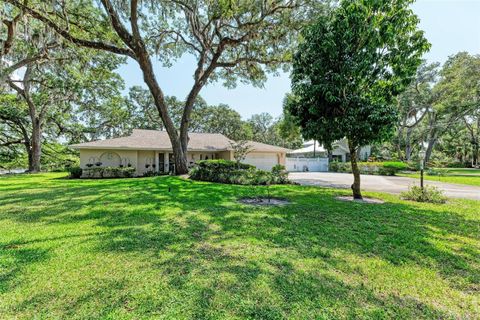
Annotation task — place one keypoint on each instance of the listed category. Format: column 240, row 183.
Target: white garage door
column 263, row 161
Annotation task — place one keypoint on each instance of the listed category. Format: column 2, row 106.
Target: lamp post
column 421, row 154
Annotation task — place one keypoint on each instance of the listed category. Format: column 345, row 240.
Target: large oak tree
column 229, row 39
column 43, row 79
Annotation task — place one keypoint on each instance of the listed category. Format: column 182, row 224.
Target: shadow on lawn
column 198, row 234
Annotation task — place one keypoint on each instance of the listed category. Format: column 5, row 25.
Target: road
column 387, row 184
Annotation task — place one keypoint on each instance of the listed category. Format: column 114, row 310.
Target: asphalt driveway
column 387, row 184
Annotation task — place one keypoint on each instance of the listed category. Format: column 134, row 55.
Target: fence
column 306, row 164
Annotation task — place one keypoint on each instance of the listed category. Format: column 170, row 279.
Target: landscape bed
column 166, row 247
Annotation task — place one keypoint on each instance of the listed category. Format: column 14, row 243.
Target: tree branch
column 11, row 26
column 9, row 143
column 66, row 35
column 117, row 24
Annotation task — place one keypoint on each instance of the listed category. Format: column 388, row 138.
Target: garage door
column 263, row 161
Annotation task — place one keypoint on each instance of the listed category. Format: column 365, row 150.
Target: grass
column 129, row 249
column 460, row 171
column 451, row 175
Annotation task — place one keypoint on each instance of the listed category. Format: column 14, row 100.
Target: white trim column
column 167, row 164
column 156, row 161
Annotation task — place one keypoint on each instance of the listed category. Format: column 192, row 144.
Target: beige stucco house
column 148, row 150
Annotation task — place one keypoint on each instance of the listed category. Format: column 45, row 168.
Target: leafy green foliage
column 350, row 66
column 231, row 172
column 279, row 174
column 75, row 172
column 108, row 172
column 348, row 70
column 375, row 168
column 441, row 108
column 428, row 194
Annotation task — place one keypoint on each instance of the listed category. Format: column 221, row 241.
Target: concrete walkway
column 387, row 184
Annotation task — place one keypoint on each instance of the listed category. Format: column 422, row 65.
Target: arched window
column 110, row 159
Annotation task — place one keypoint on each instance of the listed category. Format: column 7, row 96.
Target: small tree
column 348, row 70
column 240, row 150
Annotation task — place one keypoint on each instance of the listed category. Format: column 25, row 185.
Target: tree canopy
column 349, row 68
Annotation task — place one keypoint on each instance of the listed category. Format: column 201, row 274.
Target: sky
column 450, row 26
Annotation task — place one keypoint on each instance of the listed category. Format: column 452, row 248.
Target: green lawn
column 461, row 171
column 461, row 176
column 129, row 249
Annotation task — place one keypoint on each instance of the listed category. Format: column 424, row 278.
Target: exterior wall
column 145, row 157
column 94, row 155
column 265, row 160
column 138, row 159
column 282, row 157
column 194, row 156
column 226, row 155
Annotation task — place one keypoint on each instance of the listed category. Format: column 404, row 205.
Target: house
column 340, row 152
column 148, row 150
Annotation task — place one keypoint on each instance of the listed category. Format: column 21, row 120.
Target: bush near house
column 375, row 168
column 75, row 172
column 108, row 172
column 231, row 172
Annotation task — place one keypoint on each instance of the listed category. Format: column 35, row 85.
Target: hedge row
column 375, row 168
column 102, row 172
column 230, row 172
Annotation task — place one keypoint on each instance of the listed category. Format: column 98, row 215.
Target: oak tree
column 230, row 40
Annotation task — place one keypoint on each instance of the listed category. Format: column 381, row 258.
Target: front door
column 161, row 162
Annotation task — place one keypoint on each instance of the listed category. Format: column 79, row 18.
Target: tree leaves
column 350, row 66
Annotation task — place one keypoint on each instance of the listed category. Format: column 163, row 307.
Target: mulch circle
column 264, row 201
column 364, row 200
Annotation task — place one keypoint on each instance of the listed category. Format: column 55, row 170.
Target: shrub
column 224, row 171
column 434, row 172
column 380, row 168
column 151, row 173
column 75, row 172
column 108, row 172
column 279, row 174
column 333, row 166
column 429, row 194
column 391, row 168
column 456, row 165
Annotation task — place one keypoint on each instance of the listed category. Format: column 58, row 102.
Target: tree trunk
column 428, row 153
column 329, row 155
column 28, row 148
column 475, row 154
column 180, row 158
column 36, row 147
column 357, row 194
column 398, row 144
column 179, row 151
column 408, row 145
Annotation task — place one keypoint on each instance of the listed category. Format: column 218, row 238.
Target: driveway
column 387, row 184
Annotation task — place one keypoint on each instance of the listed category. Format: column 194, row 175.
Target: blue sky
column 450, row 26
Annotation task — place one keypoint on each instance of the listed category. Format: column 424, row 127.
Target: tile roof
column 158, row 140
